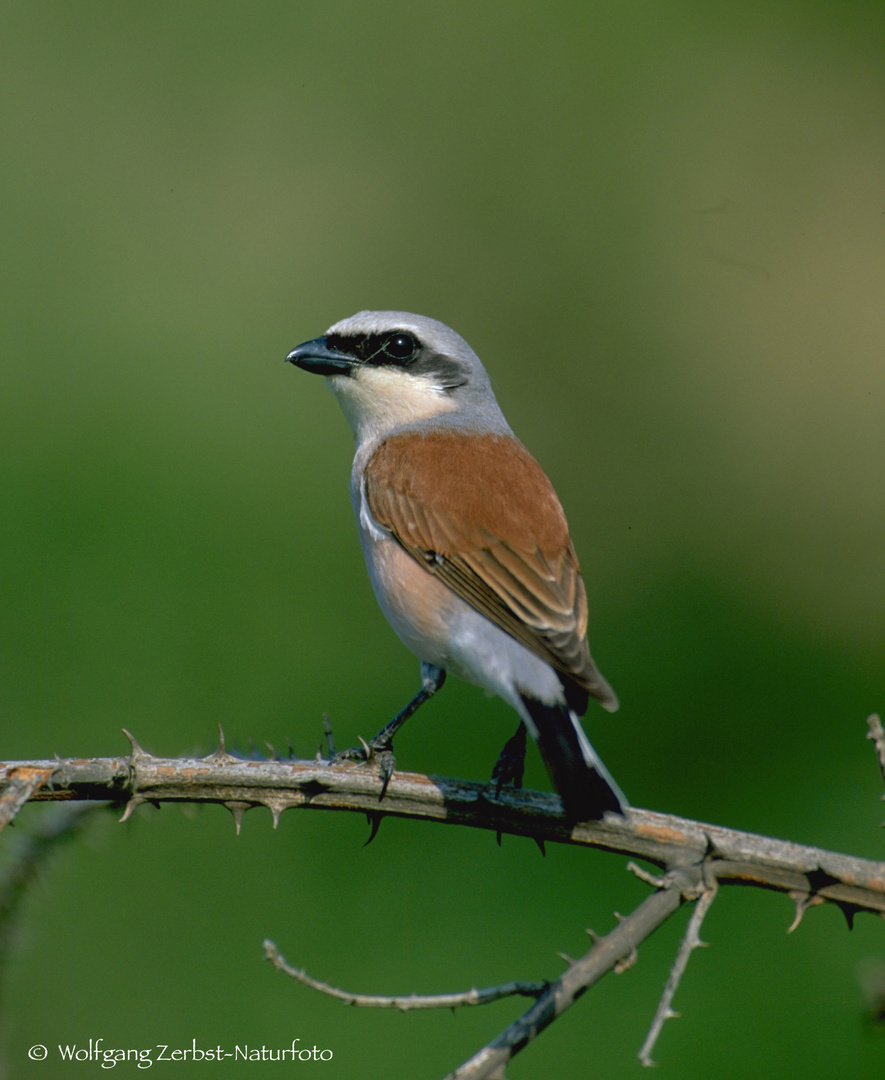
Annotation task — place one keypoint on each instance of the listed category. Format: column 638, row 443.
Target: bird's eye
column 400, row 347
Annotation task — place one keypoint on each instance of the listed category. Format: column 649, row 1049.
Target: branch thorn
column 220, row 755
column 849, row 911
column 138, row 751
column 374, row 821
column 134, row 801
column 238, row 809
column 327, row 729
column 655, row 880
column 803, row 901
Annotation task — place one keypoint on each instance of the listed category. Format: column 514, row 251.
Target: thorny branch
column 21, row 783
column 731, row 856
column 27, row 855
column 409, row 1002
column 606, row 954
column 697, row 858
column 690, row 942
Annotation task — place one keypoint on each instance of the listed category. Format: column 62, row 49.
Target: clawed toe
column 386, row 766
column 360, row 754
column 379, row 751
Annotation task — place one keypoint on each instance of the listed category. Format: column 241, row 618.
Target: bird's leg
column 510, row 765
column 432, row 679
column 381, row 746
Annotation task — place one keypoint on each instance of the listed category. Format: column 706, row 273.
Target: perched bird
column 466, row 543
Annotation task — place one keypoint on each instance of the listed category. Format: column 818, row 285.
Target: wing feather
column 479, row 514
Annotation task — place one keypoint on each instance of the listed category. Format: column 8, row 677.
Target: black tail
column 585, row 786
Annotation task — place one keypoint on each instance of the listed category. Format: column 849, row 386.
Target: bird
column 466, row 543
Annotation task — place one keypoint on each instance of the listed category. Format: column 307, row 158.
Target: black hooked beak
column 320, row 358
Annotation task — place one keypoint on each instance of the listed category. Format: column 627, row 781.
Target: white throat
column 376, row 399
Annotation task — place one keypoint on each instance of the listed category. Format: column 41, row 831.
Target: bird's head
column 390, row 369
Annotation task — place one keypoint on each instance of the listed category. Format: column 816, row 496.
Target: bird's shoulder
column 477, row 486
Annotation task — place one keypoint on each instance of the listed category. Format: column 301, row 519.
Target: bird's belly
column 417, row 605
column 441, row 628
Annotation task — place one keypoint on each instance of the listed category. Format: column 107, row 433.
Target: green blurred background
column 661, row 224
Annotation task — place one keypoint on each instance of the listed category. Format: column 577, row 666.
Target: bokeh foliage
column 662, row 226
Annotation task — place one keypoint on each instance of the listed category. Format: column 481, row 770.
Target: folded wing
column 493, row 530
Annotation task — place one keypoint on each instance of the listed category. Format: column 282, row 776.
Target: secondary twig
column 690, row 942
column 28, row 852
column 22, row 781
column 612, row 952
column 412, row 1001
column 553, row 998
column 607, row 952
column 877, row 734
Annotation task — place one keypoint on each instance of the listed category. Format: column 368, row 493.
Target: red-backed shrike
column 466, row 543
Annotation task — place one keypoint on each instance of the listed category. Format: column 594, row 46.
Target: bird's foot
column 379, row 751
column 510, row 766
